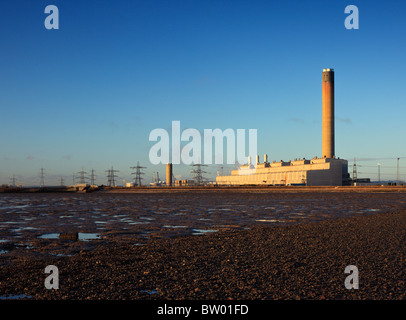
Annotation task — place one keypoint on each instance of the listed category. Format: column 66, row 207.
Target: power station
column 325, row 171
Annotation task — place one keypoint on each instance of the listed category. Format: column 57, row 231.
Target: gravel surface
column 301, row 261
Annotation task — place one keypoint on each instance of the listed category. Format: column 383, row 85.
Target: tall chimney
column 328, row 114
column 169, row 174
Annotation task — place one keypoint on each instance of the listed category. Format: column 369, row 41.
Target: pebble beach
column 258, row 261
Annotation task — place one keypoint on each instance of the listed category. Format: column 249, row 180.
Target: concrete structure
column 315, row 172
column 325, row 171
column 169, row 175
column 328, row 113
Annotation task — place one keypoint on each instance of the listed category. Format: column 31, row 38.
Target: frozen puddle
column 150, row 292
column 24, row 228
column 49, row 236
column 15, row 297
column 81, row 236
column 89, row 236
column 197, row 232
column 173, row 227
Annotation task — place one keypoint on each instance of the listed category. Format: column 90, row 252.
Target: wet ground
column 30, row 224
column 203, row 245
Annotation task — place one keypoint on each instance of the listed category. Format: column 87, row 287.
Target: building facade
column 314, row 172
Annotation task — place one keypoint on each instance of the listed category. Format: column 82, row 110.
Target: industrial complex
column 325, row 171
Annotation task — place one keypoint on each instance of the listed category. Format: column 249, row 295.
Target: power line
column 354, row 172
column 198, row 174
column 13, row 181
column 389, row 167
column 42, row 178
column 138, row 174
column 92, row 177
column 380, row 166
column 386, row 174
column 377, row 159
column 397, row 170
column 110, row 176
column 82, row 177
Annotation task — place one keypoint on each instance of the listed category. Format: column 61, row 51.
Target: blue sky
column 88, row 95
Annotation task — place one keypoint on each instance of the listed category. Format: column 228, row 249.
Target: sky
column 87, row 95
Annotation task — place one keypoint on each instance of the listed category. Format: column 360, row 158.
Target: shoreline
column 301, row 261
column 208, row 189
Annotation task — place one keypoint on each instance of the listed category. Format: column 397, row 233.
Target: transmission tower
column 110, row 176
column 13, row 181
column 62, row 182
column 42, row 178
column 354, row 172
column 82, row 177
column 379, row 172
column 92, row 178
column 197, row 173
column 397, row 171
column 138, row 173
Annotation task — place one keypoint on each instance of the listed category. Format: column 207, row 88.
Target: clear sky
column 88, row 95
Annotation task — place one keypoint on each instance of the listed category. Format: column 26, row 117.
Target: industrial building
column 325, row 171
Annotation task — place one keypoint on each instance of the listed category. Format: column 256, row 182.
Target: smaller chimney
column 265, row 158
column 169, row 175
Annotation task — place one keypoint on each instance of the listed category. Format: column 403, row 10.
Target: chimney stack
column 169, row 175
column 328, row 114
